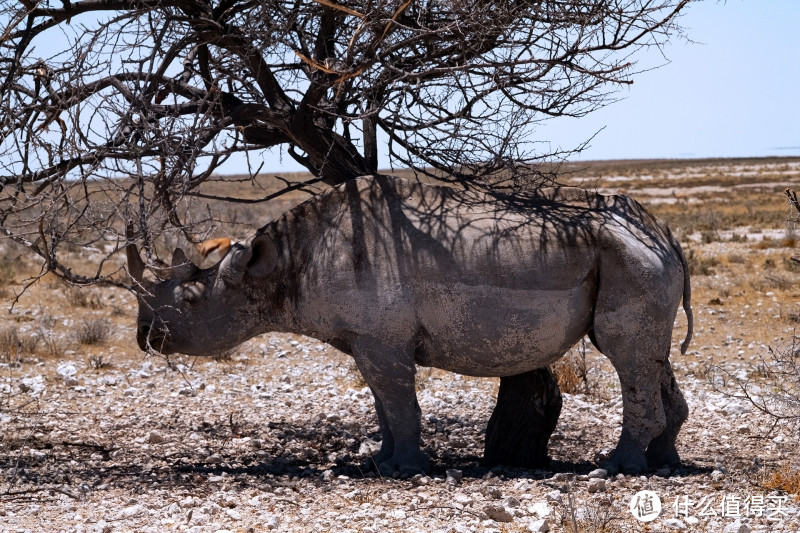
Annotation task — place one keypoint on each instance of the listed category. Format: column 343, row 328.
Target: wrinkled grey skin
column 396, row 273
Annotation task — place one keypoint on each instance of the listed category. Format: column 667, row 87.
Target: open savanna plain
column 98, row 436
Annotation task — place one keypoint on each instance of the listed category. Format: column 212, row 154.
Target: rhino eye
column 191, row 294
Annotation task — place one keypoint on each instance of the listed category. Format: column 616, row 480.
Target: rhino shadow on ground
column 294, row 451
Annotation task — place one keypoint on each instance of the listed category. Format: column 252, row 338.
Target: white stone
column 539, row 526
column 463, row 499
column 131, row 511
column 674, row 523
column 555, row 497
column 598, row 473
column 67, row 369
column 540, row 509
column 737, row 527
column 369, row 447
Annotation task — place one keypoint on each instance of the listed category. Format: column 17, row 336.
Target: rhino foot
column 662, row 454
column 626, row 461
column 406, row 466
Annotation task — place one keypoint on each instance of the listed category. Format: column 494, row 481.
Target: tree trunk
column 525, row 416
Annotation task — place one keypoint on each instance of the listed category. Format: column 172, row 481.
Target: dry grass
column 82, row 297
column 93, row 332
column 570, row 373
column 787, row 479
column 8, row 272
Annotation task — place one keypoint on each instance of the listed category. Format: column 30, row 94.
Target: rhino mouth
column 152, row 339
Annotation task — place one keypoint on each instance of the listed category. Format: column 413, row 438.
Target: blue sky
column 734, row 92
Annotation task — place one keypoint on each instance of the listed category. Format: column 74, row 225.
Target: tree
column 149, row 99
column 164, row 92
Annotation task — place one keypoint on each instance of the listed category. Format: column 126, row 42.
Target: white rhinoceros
column 395, row 272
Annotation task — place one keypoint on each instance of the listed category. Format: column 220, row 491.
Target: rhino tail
column 687, row 292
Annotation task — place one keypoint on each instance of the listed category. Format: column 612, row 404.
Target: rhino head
column 198, row 311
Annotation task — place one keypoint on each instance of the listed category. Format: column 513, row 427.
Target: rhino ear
column 258, row 259
column 234, row 264
column 264, row 258
column 182, row 269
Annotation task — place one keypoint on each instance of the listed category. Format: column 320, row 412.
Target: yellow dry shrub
column 786, row 479
column 570, row 373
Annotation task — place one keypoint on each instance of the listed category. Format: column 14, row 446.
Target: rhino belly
column 490, row 331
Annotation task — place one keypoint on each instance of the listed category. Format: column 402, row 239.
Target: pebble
column 456, row 442
column 454, row 476
column 493, row 492
column 736, row 527
column 369, row 447
column 463, row 499
column 555, row 497
column 511, row 502
column 498, row 513
column 596, row 485
column 273, row 522
column 674, row 523
column 598, row 473
column 131, row 511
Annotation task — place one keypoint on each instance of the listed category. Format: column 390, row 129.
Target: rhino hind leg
column 527, row 410
column 644, row 417
column 389, row 372
column 662, row 450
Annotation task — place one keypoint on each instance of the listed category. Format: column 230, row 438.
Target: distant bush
column 777, row 393
column 82, row 297
column 701, row 266
column 13, row 343
column 8, row 272
column 9, row 343
column 93, row 331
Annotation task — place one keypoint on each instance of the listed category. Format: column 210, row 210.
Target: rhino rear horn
column 182, row 268
column 135, row 263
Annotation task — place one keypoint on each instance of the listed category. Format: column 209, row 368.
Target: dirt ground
column 97, row 436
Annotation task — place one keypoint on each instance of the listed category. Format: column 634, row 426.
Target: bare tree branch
column 148, row 99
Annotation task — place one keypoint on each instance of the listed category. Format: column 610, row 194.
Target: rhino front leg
column 389, row 372
column 387, row 440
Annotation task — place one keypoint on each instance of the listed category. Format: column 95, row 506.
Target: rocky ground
column 275, row 437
